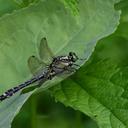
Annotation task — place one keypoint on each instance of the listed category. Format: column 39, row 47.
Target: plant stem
column 78, row 121
column 33, row 107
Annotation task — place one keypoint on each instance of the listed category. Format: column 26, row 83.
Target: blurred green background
column 41, row 111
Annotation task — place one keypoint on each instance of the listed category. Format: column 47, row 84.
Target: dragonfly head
column 73, row 56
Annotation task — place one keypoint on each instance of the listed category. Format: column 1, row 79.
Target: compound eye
column 74, row 53
column 70, row 53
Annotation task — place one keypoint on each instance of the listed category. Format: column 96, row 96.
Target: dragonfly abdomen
column 12, row 91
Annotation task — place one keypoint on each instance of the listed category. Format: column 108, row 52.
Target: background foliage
column 98, row 89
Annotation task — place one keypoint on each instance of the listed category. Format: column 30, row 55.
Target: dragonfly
column 41, row 70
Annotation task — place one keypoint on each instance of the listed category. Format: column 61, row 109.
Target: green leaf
column 8, row 6
column 22, row 31
column 124, row 6
column 91, row 91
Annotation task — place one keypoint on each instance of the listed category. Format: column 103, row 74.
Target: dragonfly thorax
column 62, row 62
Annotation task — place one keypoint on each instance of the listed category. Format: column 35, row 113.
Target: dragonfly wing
column 45, row 52
column 35, row 64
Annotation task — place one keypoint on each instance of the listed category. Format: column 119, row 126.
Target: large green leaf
column 22, row 31
column 8, row 6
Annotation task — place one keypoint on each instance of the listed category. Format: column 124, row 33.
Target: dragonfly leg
column 71, row 69
column 76, row 65
column 49, row 76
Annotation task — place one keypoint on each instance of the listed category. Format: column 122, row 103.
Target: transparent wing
column 45, row 52
column 35, row 64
